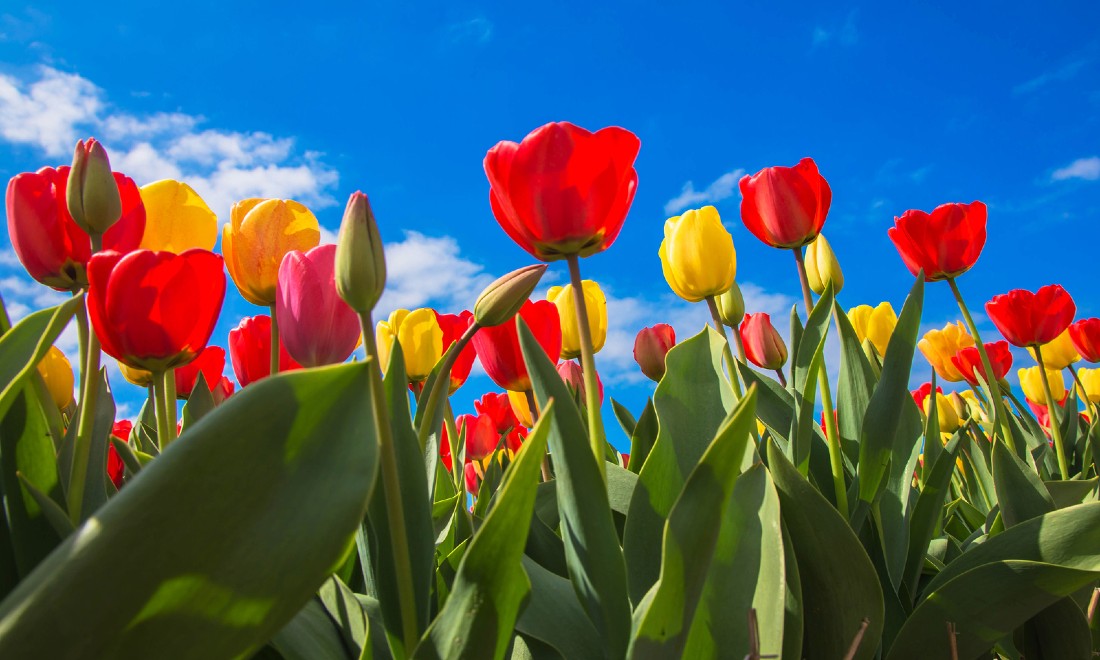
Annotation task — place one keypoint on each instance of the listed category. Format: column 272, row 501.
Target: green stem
column 1052, row 411
column 991, row 381
column 82, row 342
column 452, row 442
column 275, row 343
column 532, row 405
column 1081, row 393
column 731, row 368
column 588, row 368
column 832, row 433
column 442, row 384
column 165, row 426
column 170, row 401
column 391, row 491
column 89, row 392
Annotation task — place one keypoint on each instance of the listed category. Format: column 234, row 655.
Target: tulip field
column 321, row 505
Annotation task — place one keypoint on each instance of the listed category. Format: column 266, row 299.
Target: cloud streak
column 1082, row 168
column 721, row 188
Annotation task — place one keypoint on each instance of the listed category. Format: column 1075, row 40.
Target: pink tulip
column 316, row 326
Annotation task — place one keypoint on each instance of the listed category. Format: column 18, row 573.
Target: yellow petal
column 176, row 218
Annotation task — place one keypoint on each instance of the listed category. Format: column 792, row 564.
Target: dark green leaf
column 554, row 617
column 928, row 512
column 624, row 417
column 1020, row 492
column 854, row 386
column 806, row 365
column 24, row 346
column 643, row 437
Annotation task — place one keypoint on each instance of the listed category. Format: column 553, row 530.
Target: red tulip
column 650, row 347
column 315, row 324
column 115, row 467
column 922, row 392
column 969, row 362
column 211, row 363
column 763, row 345
column 49, row 244
column 453, row 327
column 573, row 376
column 498, row 346
column 496, row 407
column 1042, row 413
column 473, row 480
column 155, row 310
column 250, row 350
column 1086, row 338
column 945, row 243
column 563, row 190
column 223, row 391
column 785, row 207
column 1032, row 319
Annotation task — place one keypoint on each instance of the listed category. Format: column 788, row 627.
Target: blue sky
column 901, row 107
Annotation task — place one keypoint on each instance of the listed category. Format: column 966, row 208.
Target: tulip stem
column 165, row 425
column 82, row 442
column 1081, row 393
column 588, row 368
column 1052, row 411
column 731, row 368
column 987, row 366
column 391, row 489
column 832, row 433
column 782, row 378
column 170, row 401
column 275, row 343
column 442, row 382
column 452, row 442
column 533, row 406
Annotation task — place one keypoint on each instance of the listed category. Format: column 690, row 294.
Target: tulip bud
column 360, row 259
column 945, row 413
column 822, row 266
column 501, row 300
column 1032, row 384
column 650, row 347
column 573, row 377
column 875, row 324
column 595, row 304
column 731, row 306
column 135, row 376
column 92, row 193
column 763, row 345
column 58, row 374
column 697, row 254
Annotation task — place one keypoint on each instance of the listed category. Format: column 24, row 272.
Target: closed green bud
column 92, row 192
column 731, row 306
column 501, row 300
column 360, row 259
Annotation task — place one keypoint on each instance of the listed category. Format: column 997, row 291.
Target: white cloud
column 47, row 112
column 721, row 188
column 1082, row 168
column 425, row 270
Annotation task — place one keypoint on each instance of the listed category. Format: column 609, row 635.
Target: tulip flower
column 697, row 255
column 360, row 259
column 421, row 341
column 92, row 193
column 731, row 306
column 785, row 207
column 46, row 239
column 596, row 305
column 116, row 469
column 945, row 243
column 250, row 350
column 58, row 374
column 922, row 392
column 482, row 437
column 1059, row 353
column 498, row 408
column 139, row 377
column 498, row 346
column 650, row 347
column 177, row 218
column 1086, row 338
column 822, row 266
column 968, row 362
column 763, row 345
column 155, row 310
column 573, row 377
column 875, row 324
column 316, row 325
column 1090, row 379
column 453, row 327
column 563, row 191
column 210, row 363
column 939, row 346
column 1032, row 384
column 946, row 413
column 1032, row 319
column 974, row 406
column 522, row 411
column 259, row 234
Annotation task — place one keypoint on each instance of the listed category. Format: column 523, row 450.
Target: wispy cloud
column 1082, row 168
column 1063, row 73
column 844, row 34
column 476, row 30
column 721, row 188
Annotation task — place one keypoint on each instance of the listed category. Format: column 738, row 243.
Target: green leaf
column 24, row 346
column 97, row 486
column 839, row 585
column 199, row 404
column 592, row 551
column 54, row 514
column 793, row 616
column 624, row 417
column 1059, row 631
column 310, row 634
column 880, row 425
column 1068, row 493
column 692, row 400
column 347, row 613
column 491, row 586
column 854, row 387
column 1020, row 492
column 663, row 618
column 928, row 513
column 643, row 437
column 554, row 616
column 220, row 573
column 892, row 510
column 805, row 366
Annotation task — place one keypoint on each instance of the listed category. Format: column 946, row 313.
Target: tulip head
column 58, row 374
column 499, row 350
column 360, row 259
column 921, row 394
column 315, row 324
column 763, row 345
column 875, row 324
column 785, row 207
column 1086, row 338
column 1031, row 382
column 1059, row 353
column 420, row 337
column 92, row 193
column 946, row 413
column 501, row 300
column 697, row 255
column 177, row 219
column 573, row 377
column 595, row 304
column 259, row 234
column 139, row 377
column 731, row 306
column 1090, row 379
column 250, row 350
column 1032, row 319
column 822, row 266
column 650, row 348
column 944, row 243
column 453, row 327
column 520, row 408
column 939, row 346
column 210, row 364
column 968, row 362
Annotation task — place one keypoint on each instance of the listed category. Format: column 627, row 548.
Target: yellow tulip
column 697, row 255
column 822, row 266
column 259, row 234
column 58, row 374
column 421, row 341
column 176, row 218
column 135, row 376
column 1090, row 378
column 974, row 406
column 945, row 412
column 1031, row 382
column 939, row 346
column 1058, row 354
column 520, row 408
column 874, row 323
column 594, row 303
